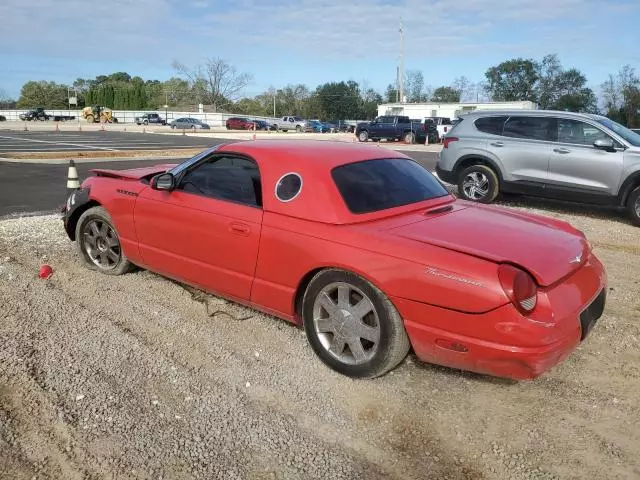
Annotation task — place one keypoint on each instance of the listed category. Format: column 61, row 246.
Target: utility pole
column 401, row 66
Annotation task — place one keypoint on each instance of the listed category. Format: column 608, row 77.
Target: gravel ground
column 138, row 377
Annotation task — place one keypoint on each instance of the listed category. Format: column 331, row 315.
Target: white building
column 449, row 110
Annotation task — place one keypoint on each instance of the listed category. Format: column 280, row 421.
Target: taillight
column 519, row 287
column 447, row 140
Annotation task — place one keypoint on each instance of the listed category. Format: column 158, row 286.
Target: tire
column 146, row 122
column 298, row 128
column 409, row 137
column 107, row 255
column 90, row 119
column 193, row 128
column 633, row 206
column 363, row 136
column 173, row 127
column 387, row 344
column 478, row 183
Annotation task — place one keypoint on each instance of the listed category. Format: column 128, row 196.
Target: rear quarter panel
column 292, row 248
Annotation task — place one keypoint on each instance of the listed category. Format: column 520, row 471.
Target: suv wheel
column 633, row 206
column 478, row 183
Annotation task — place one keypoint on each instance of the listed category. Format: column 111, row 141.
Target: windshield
column 631, row 137
column 374, row 185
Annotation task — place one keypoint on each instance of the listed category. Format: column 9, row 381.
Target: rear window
column 492, row 125
column 375, row 185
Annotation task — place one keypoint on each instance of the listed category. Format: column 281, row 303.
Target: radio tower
column 401, row 66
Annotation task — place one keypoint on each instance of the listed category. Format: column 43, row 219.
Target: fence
column 215, row 120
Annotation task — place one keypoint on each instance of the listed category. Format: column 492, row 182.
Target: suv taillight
column 519, row 287
column 447, row 140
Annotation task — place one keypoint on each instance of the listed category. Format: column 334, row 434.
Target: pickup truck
column 391, row 127
column 147, row 118
column 444, row 124
column 289, row 123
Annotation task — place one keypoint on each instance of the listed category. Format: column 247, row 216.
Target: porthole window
column 288, row 187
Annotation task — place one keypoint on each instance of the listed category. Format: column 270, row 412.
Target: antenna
column 401, row 66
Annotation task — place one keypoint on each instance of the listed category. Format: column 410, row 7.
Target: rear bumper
column 502, row 342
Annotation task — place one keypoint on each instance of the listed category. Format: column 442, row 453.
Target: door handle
column 497, row 144
column 561, row 150
column 239, row 228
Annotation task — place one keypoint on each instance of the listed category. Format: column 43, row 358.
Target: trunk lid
column 546, row 251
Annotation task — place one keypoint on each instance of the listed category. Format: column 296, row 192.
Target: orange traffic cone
column 26, row 129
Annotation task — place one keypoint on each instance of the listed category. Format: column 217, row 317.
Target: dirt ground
column 129, row 377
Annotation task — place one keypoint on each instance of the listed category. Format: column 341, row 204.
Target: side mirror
column 604, row 144
column 164, row 181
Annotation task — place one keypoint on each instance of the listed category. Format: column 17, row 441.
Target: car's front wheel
column 352, row 326
column 478, row 183
column 633, row 206
column 99, row 243
column 363, row 136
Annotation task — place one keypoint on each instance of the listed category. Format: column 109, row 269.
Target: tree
column 462, row 85
column 513, row 80
column 5, row 101
column 43, row 94
column 621, row 95
column 445, row 95
column 560, row 89
column 414, row 84
column 216, row 82
column 391, row 93
column 339, row 100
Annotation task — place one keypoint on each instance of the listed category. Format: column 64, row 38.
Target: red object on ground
column 45, row 272
column 478, row 287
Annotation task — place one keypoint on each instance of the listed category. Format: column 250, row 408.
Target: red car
column 360, row 244
column 237, row 123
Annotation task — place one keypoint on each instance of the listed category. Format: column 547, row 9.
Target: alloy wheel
column 346, row 323
column 101, row 244
column 475, row 185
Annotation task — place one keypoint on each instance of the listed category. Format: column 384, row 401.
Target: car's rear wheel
column 298, row 129
column 363, row 136
column 633, row 206
column 478, row 183
column 352, row 326
column 99, row 244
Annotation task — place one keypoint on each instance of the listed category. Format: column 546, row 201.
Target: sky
column 283, row 42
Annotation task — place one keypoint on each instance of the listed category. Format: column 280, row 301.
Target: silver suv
column 569, row 156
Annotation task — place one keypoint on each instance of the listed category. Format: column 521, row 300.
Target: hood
column 541, row 247
column 134, row 173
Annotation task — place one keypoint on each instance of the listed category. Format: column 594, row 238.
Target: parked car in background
column 3, row 118
column 391, row 127
column 443, row 124
column 239, row 123
column 473, row 287
column 290, row 123
column 343, row 126
column 34, row 114
column 569, row 156
column 316, row 126
column 147, row 118
column 188, row 123
column 262, row 124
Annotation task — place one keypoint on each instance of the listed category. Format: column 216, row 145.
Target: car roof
column 529, row 112
column 312, row 160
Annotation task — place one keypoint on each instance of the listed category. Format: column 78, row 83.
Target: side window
column 534, row 128
column 492, row 125
column 580, row 133
column 233, row 179
column 385, row 120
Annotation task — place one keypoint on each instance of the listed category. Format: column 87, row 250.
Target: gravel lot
column 137, row 377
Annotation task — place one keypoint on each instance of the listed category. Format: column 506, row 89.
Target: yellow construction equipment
column 95, row 114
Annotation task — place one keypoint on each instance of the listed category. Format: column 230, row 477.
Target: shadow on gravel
column 431, row 368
